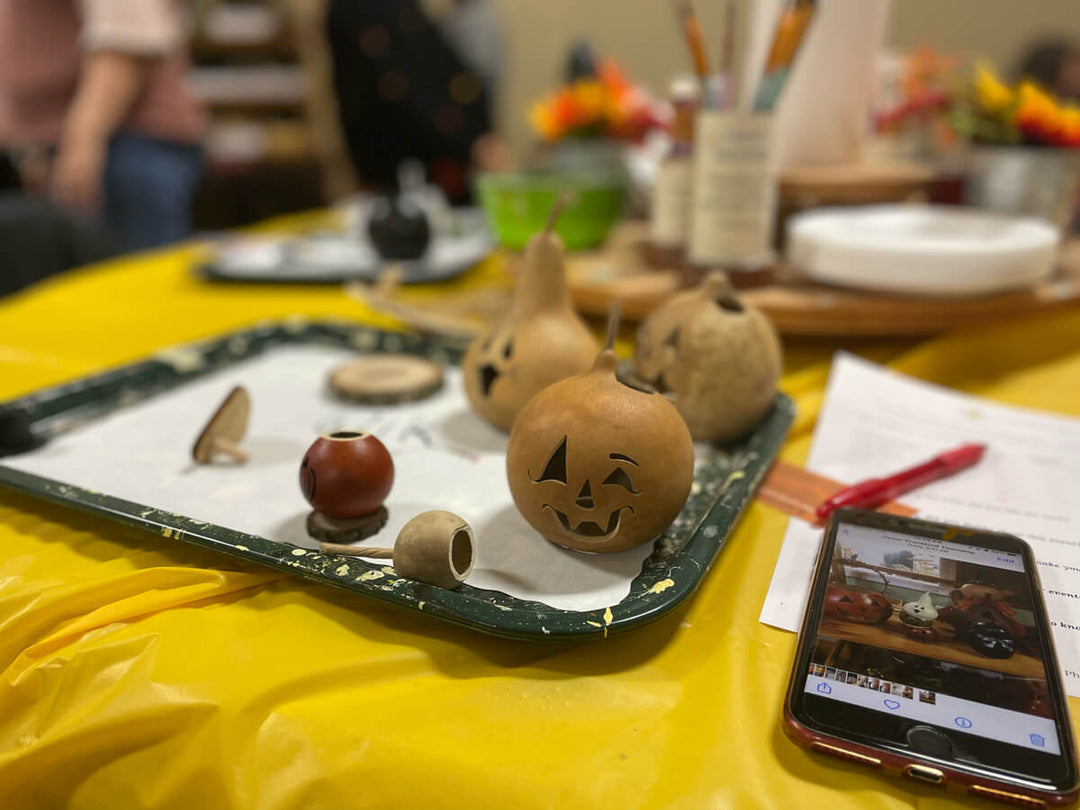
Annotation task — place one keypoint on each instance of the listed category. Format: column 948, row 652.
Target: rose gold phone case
column 898, row 764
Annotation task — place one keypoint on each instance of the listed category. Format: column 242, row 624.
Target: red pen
column 873, row 492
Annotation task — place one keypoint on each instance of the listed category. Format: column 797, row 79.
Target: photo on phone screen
column 935, row 632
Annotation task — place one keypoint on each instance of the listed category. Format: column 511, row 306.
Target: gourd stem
column 541, row 284
column 612, row 324
column 560, row 205
column 356, row 551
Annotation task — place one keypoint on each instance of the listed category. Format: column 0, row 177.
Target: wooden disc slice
column 336, row 530
column 386, row 379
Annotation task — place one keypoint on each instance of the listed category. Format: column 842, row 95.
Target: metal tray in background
column 340, row 257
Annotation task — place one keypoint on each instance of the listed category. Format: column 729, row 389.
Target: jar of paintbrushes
column 734, row 186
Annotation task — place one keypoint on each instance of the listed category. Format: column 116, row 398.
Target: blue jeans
column 149, row 188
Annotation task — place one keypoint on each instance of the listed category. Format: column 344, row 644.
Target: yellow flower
column 542, row 117
column 1036, row 108
column 1041, row 117
column 590, row 99
column 992, row 95
column 1032, row 95
column 1070, row 119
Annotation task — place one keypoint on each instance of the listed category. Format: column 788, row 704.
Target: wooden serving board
column 800, row 307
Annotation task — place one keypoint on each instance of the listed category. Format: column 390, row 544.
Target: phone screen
column 929, row 631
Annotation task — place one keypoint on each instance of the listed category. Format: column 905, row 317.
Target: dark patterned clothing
column 403, row 92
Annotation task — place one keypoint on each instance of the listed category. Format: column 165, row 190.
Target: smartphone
column 925, row 652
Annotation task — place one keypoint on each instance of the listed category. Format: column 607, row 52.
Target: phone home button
column 929, row 741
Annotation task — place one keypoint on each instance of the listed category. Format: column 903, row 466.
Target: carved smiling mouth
column 488, row 375
column 589, row 528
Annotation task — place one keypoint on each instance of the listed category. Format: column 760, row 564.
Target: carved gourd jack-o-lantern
column 862, row 607
column 541, row 340
column 716, row 357
column 595, row 464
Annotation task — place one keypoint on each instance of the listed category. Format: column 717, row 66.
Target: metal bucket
column 1030, row 181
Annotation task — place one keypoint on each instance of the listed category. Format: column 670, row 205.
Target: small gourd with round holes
column 541, row 340
column 716, row 357
column 595, row 464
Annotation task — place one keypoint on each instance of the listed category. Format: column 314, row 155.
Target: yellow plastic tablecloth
column 143, row 673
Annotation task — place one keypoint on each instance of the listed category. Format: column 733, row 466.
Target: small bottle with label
column 669, row 222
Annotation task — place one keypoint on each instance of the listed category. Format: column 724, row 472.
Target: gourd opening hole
column 461, row 552
column 729, row 303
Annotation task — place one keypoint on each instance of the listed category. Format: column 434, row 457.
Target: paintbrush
column 724, row 83
column 695, row 42
column 789, row 35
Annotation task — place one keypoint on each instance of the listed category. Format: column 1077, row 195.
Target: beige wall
column 644, row 37
column 995, row 29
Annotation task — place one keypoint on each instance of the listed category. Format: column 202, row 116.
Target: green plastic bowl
column 517, row 205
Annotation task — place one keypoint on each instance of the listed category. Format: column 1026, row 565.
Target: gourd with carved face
column 862, row 607
column 541, row 340
column 595, row 464
column 717, row 358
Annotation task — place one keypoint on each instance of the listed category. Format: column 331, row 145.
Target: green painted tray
column 682, row 556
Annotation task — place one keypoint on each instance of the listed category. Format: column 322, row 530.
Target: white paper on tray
column 445, row 457
column 877, row 421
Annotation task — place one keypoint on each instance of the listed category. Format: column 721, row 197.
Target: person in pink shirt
column 97, row 87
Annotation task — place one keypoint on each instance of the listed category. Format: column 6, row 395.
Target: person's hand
column 78, row 174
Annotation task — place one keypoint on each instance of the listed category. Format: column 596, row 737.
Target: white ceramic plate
column 922, row 250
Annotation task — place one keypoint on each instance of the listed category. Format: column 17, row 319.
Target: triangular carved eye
column 844, row 598
column 673, row 339
column 508, row 349
column 555, row 469
column 619, row 478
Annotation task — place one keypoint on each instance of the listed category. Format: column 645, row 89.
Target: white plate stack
column 922, row 250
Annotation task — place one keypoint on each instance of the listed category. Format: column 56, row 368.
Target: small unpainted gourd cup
column 436, row 547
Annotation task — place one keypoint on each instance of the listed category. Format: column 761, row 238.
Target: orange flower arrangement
column 924, row 95
column 915, row 106
column 606, row 105
column 1027, row 114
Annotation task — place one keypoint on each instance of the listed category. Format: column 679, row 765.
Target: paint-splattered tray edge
column 668, row 575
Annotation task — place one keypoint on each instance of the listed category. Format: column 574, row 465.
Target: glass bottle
column 669, row 220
